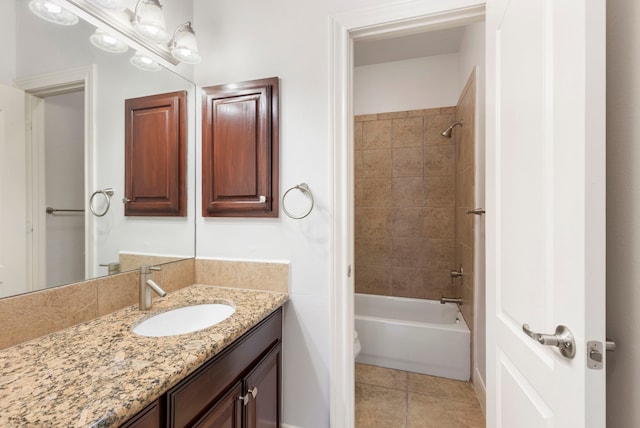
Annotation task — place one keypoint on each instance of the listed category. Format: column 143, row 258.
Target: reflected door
column 64, row 187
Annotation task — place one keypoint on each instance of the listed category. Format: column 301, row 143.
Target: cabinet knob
column 245, row 399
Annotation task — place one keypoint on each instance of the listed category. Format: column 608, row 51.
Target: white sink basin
column 186, row 319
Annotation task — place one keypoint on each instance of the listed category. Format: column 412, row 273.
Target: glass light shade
column 149, row 21
column 107, row 42
column 184, row 46
column 116, row 5
column 52, row 12
column 144, row 62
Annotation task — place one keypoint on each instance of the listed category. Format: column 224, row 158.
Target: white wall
column 8, row 37
column 623, row 212
column 286, row 38
column 411, row 84
column 472, row 55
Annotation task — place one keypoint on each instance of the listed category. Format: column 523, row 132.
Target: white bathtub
column 422, row 336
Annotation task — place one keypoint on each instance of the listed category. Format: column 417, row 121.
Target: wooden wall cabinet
column 156, row 155
column 240, row 149
column 238, row 388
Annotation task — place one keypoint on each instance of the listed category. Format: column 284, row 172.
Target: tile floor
column 387, row 398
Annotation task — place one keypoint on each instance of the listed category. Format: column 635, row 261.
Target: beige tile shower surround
column 412, row 190
column 32, row 315
column 405, row 180
column 465, row 197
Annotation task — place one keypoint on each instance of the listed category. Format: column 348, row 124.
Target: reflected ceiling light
column 184, row 46
column 148, row 21
column 144, row 62
column 117, row 5
column 107, row 42
column 52, row 12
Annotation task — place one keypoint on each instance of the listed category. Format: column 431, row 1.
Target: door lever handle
column 562, row 339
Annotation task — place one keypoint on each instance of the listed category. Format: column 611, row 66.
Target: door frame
column 370, row 23
column 39, row 87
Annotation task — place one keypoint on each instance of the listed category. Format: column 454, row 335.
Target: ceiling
column 439, row 42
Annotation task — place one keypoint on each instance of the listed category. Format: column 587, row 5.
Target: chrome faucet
column 146, row 285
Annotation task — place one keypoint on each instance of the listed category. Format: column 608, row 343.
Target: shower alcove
column 413, row 186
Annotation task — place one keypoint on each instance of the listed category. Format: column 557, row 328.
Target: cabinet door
column 240, row 149
column 227, row 412
column 263, row 387
column 149, row 417
column 155, row 155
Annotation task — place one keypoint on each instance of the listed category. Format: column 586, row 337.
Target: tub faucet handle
column 457, row 273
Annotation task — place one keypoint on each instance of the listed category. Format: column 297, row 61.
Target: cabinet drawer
column 192, row 397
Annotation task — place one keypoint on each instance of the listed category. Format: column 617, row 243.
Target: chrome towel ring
column 107, row 193
column 304, row 188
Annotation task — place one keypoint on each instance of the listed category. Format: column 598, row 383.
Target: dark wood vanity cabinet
column 240, row 149
column 262, row 408
column 238, row 388
column 252, row 402
column 150, row 417
column 155, row 166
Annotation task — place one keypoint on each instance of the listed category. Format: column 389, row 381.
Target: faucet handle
column 146, row 269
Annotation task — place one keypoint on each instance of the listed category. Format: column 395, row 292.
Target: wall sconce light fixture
column 148, row 21
column 183, row 44
column 144, row 62
column 107, row 42
column 52, row 12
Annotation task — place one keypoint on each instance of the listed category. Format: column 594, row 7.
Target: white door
column 13, row 205
column 545, row 209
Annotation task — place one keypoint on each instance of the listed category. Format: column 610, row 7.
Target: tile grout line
column 406, row 400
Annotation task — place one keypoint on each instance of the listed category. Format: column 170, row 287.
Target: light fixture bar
column 124, row 28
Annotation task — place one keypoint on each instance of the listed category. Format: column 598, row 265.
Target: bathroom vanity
column 101, row 374
column 235, row 389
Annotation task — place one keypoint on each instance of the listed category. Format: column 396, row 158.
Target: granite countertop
column 99, row 373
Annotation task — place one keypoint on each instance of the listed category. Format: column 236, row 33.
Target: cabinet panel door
column 227, row 413
column 149, row 417
column 240, row 150
column 155, row 155
column 189, row 399
column 263, row 409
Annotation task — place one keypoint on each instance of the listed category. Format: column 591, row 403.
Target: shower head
column 447, row 132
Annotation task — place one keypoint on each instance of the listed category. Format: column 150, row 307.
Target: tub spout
column 457, row 300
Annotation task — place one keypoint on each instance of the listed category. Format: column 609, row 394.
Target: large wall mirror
column 72, row 95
